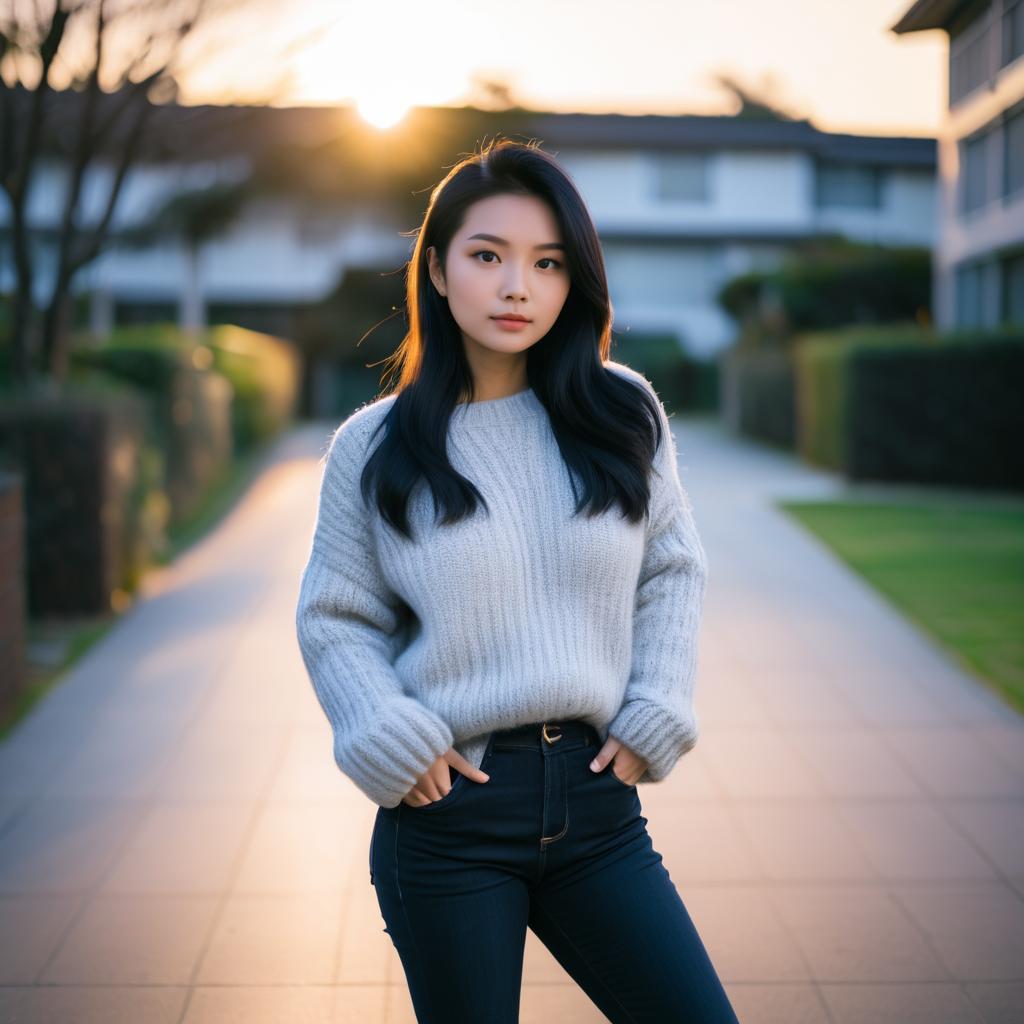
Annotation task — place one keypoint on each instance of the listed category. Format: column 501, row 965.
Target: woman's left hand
column 630, row 766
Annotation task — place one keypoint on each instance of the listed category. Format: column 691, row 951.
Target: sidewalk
column 176, row 844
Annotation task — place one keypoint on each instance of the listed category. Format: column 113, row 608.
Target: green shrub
column 684, row 382
column 831, row 283
column 265, row 374
column 190, row 403
column 820, row 366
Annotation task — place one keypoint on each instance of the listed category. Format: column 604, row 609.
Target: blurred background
column 812, row 217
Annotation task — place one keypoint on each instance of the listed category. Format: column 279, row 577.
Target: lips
column 520, row 319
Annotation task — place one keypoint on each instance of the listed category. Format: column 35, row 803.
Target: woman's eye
column 490, row 252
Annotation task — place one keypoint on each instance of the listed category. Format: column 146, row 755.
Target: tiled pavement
column 176, row 844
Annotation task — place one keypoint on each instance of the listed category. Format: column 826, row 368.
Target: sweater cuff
column 387, row 756
column 654, row 733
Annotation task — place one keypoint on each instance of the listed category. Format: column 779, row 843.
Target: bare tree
column 74, row 38
column 495, row 93
column 757, row 103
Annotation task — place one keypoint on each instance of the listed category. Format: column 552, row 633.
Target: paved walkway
column 176, row 844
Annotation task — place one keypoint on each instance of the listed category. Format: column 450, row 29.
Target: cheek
column 466, row 293
column 553, row 298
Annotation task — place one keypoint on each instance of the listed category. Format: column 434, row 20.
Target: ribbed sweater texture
column 527, row 614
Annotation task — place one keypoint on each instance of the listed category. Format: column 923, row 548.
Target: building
column 682, row 205
column 979, row 255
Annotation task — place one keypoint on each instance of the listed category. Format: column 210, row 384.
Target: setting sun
column 382, row 111
column 385, row 65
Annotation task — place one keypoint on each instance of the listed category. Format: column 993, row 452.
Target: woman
column 499, row 616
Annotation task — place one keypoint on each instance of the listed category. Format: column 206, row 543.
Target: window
column 976, row 297
column 970, row 58
column 975, row 161
column 1013, row 289
column 681, row 176
column 1013, row 149
column 668, row 275
column 1013, row 31
column 968, row 296
column 853, row 186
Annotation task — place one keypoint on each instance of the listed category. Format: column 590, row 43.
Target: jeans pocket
column 458, row 783
column 609, row 771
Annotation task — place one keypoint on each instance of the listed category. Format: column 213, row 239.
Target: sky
column 832, row 61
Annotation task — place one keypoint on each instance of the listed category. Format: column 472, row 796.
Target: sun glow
column 381, row 110
column 385, row 64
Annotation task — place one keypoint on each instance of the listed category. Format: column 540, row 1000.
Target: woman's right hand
column 436, row 781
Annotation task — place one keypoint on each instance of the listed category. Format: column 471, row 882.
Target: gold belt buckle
column 550, row 739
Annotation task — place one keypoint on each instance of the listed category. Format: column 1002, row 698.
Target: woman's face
column 519, row 268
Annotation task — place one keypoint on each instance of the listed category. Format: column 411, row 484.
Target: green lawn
column 955, row 567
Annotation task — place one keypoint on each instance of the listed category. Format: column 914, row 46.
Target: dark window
column 1013, row 165
column 854, row 186
column 968, row 296
column 142, row 311
column 976, row 294
column 974, row 171
column 970, row 58
column 681, row 176
column 1013, row 289
column 1013, row 31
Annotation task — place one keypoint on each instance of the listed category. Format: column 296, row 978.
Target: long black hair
column 607, row 427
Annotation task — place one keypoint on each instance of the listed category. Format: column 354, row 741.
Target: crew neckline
column 492, row 401
column 503, row 409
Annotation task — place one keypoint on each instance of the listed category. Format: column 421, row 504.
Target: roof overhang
column 926, row 14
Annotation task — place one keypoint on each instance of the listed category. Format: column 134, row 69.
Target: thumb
column 460, row 764
column 605, row 754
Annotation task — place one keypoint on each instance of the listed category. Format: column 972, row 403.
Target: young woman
column 499, row 616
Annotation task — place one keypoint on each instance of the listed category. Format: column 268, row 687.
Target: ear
column 435, row 269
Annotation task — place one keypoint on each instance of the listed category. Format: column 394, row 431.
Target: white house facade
column 979, row 254
column 682, row 204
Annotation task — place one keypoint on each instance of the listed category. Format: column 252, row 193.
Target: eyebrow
column 502, row 241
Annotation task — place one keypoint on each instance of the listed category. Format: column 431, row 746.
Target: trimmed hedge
column 88, row 480
column 758, row 394
column 949, row 414
column 820, row 361
column 213, row 399
column 191, row 407
column 907, row 404
column 265, row 374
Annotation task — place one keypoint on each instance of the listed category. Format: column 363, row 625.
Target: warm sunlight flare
column 385, row 65
column 664, row 60
column 381, row 110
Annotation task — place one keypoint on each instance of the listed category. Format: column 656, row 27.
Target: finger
column 422, row 796
column 461, row 765
column 429, row 789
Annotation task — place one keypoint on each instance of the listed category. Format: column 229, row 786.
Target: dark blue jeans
column 550, row 845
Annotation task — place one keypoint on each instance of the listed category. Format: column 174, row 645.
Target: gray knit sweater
column 524, row 615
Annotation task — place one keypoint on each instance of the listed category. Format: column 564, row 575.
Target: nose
column 513, row 286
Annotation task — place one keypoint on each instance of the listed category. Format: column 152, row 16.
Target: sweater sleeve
column 347, row 620
column 657, row 719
